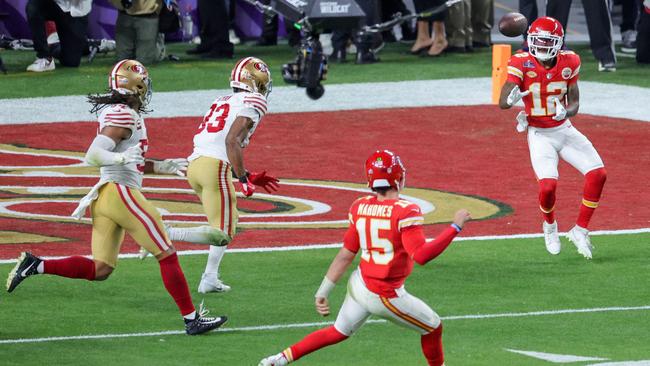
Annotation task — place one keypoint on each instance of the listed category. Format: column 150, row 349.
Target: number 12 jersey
column 544, row 84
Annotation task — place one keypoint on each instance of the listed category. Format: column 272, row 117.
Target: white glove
column 515, row 95
column 522, row 121
column 170, row 166
column 646, row 3
column 560, row 111
column 134, row 154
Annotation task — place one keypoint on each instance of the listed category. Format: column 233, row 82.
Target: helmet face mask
column 545, row 38
column 253, row 75
column 384, row 169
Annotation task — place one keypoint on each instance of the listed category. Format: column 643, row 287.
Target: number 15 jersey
column 376, row 229
column 544, row 84
column 210, row 140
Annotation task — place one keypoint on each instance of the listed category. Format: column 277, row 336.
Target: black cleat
column 203, row 323
column 26, row 266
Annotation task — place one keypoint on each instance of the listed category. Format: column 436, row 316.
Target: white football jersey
column 120, row 115
column 210, row 140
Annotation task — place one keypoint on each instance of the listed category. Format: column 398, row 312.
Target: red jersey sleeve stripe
column 119, row 123
column 258, row 106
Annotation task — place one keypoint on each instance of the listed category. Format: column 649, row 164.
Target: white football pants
column 405, row 310
column 547, row 145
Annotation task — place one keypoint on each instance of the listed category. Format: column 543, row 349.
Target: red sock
column 175, row 283
column 314, row 341
column 547, row 187
column 432, row 347
column 71, row 267
column 594, row 182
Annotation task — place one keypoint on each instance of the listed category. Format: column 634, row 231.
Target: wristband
column 325, row 288
column 456, row 227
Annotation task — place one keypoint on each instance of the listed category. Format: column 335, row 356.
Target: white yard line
column 338, row 245
column 321, row 324
column 622, row 100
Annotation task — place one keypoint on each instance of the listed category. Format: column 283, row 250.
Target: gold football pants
column 211, row 179
column 120, row 209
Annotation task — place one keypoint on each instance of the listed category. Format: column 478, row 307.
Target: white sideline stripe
column 320, row 324
column 338, row 245
column 287, row 99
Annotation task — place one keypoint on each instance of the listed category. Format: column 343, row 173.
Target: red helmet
column 385, row 169
column 545, row 37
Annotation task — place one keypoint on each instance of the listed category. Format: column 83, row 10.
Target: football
column 513, row 24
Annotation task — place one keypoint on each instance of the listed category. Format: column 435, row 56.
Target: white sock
column 41, row 267
column 214, row 259
column 190, row 316
column 199, row 235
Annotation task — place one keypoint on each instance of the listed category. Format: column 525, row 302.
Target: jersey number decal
column 215, row 120
column 555, row 89
column 145, row 146
column 379, row 249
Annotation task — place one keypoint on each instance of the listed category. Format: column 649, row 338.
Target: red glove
column 247, row 187
column 269, row 183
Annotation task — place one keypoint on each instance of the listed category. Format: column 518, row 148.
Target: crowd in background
column 463, row 27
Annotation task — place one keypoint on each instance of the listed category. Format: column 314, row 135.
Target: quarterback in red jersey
column 388, row 232
column 548, row 77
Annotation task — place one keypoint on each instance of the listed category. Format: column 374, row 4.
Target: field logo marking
column 559, row 358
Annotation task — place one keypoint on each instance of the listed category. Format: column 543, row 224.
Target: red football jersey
column 376, row 228
column 544, row 84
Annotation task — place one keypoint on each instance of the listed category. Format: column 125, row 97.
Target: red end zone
column 473, row 151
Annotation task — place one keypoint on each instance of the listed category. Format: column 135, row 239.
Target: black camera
column 126, row 4
column 309, row 68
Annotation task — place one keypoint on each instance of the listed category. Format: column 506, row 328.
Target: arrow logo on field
column 559, row 358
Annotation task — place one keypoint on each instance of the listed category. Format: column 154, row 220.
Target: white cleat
column 211, row 283
column 276, row 360
column 552, row 238
column 41, row 65
column 580, row 237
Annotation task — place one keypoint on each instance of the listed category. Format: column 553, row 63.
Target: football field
column 494, row 297
column 502, row 298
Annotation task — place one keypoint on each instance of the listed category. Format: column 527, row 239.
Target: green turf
column 193, row 73
column 483, row 277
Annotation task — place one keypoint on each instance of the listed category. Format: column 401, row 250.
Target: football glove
column 522, row 121
column 247, row 187
column 515, row 95
column 134, row 154
column 560, row 111
column 170, row 166
column 269, row 183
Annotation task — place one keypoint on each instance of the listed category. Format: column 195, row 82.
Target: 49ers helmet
column 545, row 37
column 385, row 169
column 253, row 75
column 130, row 77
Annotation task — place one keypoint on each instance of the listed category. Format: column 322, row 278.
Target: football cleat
column 203, row 323
column 580, row 238
column 212, row 283
column 275, row 360
column 41, row 65
column 27, row 265
column 551, row 238
column 143, row 253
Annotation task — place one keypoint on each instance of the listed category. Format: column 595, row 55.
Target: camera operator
column 136, row 30
column 368, row 45
column 71, row 18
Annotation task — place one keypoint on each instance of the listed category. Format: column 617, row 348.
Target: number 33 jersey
column 544, row 84
column 210, row 140
column 376, row 229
